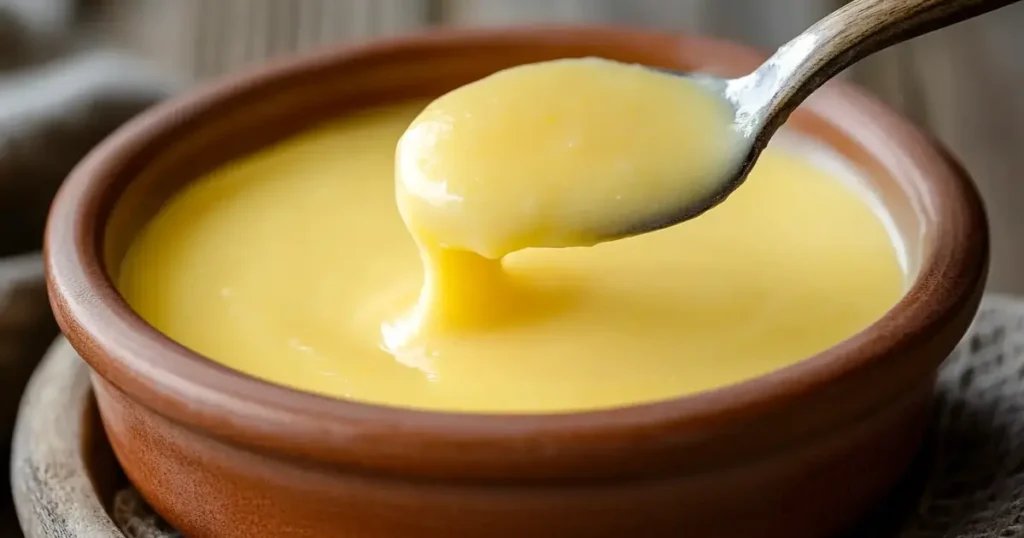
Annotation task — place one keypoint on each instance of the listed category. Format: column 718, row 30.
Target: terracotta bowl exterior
column 801, row 452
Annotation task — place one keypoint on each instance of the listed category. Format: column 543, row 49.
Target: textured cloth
column 974, row 480
column 59, row 96
column 969, row 480
column 137, row 520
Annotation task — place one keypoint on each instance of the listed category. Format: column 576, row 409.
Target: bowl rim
column 216, row 401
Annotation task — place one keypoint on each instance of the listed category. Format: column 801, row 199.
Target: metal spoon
column 764, row 99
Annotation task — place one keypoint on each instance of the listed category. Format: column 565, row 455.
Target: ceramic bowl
column 797, row 453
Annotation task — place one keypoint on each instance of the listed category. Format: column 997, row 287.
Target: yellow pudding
column 285, row 265
column 563, row 153
column 560, row 153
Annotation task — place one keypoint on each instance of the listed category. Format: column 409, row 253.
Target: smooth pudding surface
column 286, row 264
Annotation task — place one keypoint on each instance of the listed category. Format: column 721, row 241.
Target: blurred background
column 72, row 70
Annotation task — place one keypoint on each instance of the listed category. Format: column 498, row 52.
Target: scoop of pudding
column 557, row 154
column 564, row 153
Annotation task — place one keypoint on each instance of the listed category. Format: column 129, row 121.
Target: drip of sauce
column 286, row 264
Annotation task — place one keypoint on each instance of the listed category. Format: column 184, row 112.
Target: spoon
column 763, row 100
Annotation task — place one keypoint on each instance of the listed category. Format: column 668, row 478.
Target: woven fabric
column 969, row 482
column 974, row 482
column 137, row 520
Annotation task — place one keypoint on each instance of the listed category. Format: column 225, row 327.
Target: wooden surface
column 61, row 466
column 965, row 84
column 26, row 329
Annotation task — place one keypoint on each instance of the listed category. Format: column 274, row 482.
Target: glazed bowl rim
column 208, row 397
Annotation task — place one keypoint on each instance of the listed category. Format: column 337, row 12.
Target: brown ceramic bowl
column 797, row 453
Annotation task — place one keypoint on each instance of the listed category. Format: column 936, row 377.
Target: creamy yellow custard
column 563, row 153
column 560, row 153
column 287, row 265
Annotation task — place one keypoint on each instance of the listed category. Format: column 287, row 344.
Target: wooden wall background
column 965, row 84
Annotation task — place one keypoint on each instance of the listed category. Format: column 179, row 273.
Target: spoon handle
column 847, row 35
